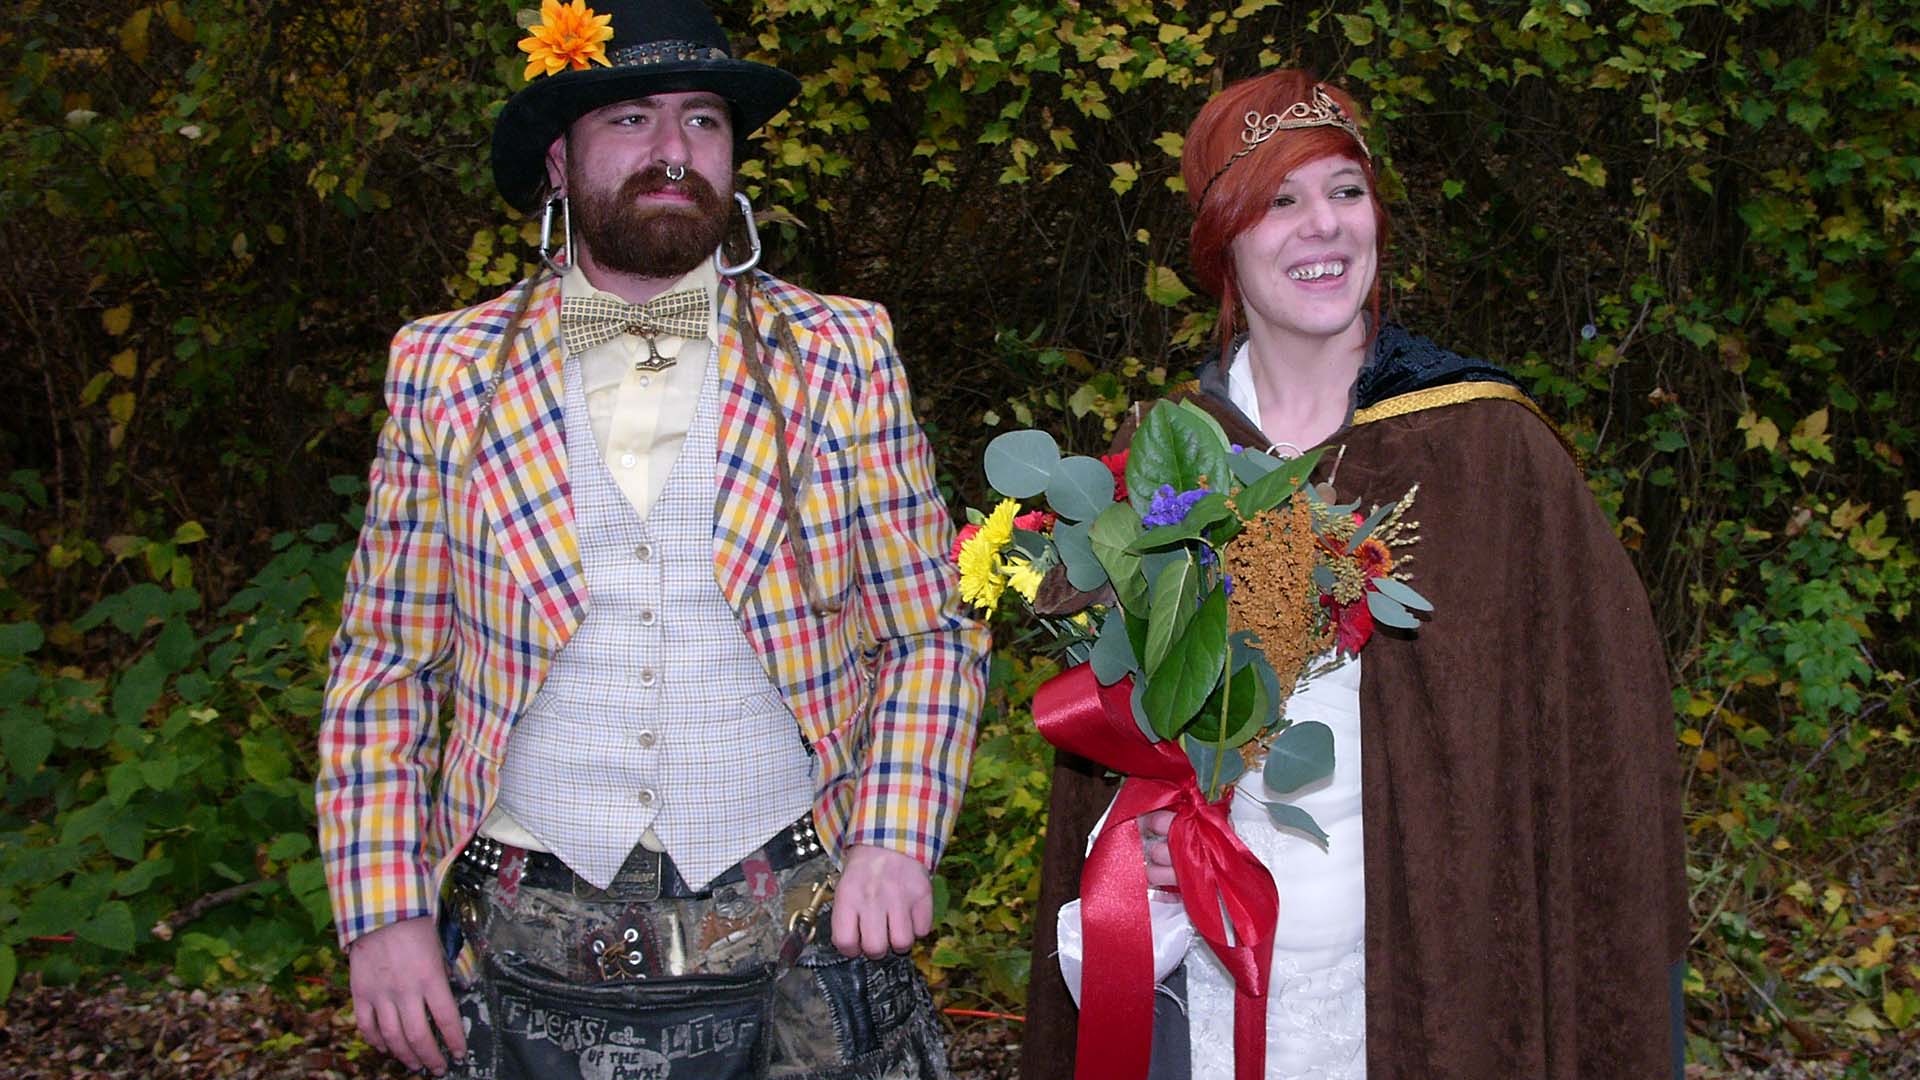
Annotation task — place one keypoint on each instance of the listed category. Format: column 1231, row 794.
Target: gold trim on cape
column 1459, row 393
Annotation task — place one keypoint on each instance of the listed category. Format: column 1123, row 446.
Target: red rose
column 960, row 541
column 1352, row 623
column 1117, row 465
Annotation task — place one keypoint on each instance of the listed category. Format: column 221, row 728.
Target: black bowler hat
column 658, row 47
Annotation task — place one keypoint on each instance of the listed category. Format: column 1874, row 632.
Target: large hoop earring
column 753, row 241
column 546, row 233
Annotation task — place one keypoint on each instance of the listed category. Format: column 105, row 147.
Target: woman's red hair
column 1240, row 196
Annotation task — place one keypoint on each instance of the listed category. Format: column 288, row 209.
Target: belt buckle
column 637, row 880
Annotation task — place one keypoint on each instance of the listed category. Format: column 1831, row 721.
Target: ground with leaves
column 110, row 1032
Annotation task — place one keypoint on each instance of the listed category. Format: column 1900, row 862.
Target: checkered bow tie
column 587, row 321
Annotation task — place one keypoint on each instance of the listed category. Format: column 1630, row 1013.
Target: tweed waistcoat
column 657, row 713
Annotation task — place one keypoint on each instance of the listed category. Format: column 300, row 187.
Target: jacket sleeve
column 389, row 669
column 930, row 677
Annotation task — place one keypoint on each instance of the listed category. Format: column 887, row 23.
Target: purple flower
column 1170, row 507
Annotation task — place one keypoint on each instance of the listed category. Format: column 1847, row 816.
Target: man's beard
column 653, row 241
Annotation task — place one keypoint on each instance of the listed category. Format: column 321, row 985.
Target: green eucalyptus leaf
column 1173, row 448
column 1112, row 656
column 1084, row 571
column 1206, row 757
column 1035, row 546
column 1209, row 510
column 1170, row 610
column 1191, row 669
column 1300, row 755
column 1285, row 816
column 1277, row 486
column 1388, row 612
column 1019, row 464
column 1251, row 465
column 1323, row 578
column 1081, row 488
column 1138, row 703
column 1403, row 593
column 1110, row 535
column 1373, row 521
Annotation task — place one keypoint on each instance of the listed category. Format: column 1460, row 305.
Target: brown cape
column 1525, row 866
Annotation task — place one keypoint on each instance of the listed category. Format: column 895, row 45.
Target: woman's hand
column 1153, row 832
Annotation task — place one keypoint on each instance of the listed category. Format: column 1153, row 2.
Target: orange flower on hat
column 567, row 36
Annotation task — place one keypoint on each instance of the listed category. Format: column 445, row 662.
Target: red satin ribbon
column 1220, row 882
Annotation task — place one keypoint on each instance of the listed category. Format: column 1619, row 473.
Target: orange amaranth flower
column 567, row 36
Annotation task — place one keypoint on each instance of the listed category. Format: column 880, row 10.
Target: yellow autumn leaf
column 1761, row 432
column 1876, row 954
column 1862, row 1018
column 1913, row 505
column 1692, row 737
column 1812, row 426
column 116, row 320
column 1125, row 175
column 133, row 34
column 1165, row 288
column 125, row 363
column 120, row 407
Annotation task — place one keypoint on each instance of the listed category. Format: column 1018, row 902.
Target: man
column 663, row 536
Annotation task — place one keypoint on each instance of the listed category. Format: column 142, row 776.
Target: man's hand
column 399, row 981
column 884, row 901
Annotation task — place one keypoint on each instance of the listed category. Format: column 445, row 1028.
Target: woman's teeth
column 1316, row 271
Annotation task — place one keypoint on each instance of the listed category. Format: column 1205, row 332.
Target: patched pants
column 576, row 983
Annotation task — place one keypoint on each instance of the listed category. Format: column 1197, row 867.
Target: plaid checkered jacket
column 468, row 581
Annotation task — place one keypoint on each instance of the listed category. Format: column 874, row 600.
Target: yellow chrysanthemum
column 567, row 36
column 998, row 528
column 982, row 573
column 1024, row 579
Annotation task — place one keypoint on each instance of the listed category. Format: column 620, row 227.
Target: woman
column 1507, row 865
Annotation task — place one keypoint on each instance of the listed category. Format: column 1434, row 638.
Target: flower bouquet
column 1193, row 584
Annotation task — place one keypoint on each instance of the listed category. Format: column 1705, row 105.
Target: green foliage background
column 1689, row 226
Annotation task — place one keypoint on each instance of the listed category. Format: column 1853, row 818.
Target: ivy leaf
column 264, row 761
column 1080, row 489
column 1301, row 754
column 1020, row 464
column 27, row 741
column 1286, row 816
column 1165, row 288
column 20, row 638
column 110, row 928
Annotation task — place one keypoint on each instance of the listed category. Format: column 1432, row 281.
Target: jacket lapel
column 520, row 465
column 747, row 519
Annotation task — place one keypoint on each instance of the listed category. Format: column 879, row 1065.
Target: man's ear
column 557, row 166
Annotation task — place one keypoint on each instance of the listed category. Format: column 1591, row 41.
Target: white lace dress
column 1316, row 1000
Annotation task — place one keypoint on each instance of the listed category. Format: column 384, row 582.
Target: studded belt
column 646, row 875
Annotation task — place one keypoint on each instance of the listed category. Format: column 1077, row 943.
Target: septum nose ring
column 676, row 173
